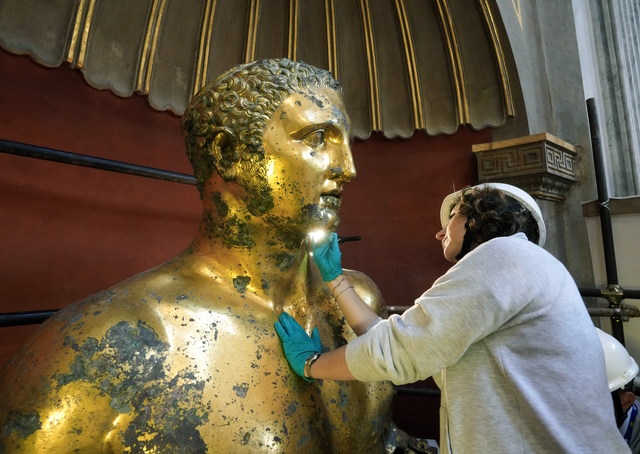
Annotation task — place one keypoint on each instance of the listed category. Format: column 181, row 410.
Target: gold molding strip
column 499, row 54
column 371, row 65
column 250, row 52
column 205, row 67
column 76, row 30
column 335, row 40
column 85, row 34
column 152, row 57
column 330, row 16
column 456, row 63
column 292, row 45
column 145, row 46
column 205, row 45
column 409, row 51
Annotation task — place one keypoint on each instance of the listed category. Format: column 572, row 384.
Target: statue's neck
column 266, row 251
column 269, row 262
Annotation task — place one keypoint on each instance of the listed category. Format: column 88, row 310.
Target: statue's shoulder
column 367, row 290
column 149, row 307
column 135, row 357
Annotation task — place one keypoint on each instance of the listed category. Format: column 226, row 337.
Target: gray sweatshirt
column 507, row 338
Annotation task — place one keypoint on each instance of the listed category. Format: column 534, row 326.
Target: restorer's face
column 308, row 159
column 452, row 236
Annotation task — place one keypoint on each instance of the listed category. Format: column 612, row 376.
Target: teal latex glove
column 326, row 254
column 297, row 344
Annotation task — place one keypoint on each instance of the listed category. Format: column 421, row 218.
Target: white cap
column 512, row 191
column 621, row 368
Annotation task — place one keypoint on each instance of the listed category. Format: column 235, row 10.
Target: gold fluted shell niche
column 404, row 65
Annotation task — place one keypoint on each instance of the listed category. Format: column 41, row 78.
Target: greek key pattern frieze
column 543, row 165
column 560, row 161
column 512, row 161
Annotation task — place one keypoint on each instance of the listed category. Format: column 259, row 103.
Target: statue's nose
column 342, row 166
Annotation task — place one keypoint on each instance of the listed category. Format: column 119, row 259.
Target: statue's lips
column 331, row 201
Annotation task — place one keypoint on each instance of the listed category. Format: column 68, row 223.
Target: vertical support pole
column 605, row 218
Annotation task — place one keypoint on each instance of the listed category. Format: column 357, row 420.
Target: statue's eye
column 314, row 139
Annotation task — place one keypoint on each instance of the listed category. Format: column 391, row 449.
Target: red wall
column 67, row 232
column 394, row 205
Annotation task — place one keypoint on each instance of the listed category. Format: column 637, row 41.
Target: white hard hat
column 512, row 191
column 621, row 368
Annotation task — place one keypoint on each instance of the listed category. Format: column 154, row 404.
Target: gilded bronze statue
column 183, row 358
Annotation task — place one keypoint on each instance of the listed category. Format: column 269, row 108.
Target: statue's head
column 232, row 124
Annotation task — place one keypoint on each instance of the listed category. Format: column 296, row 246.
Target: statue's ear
column 224, row 153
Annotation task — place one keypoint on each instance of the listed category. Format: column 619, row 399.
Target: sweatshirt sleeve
column 474, row 298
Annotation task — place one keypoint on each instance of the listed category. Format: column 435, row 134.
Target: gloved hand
column 326, row 254
column 297, row 344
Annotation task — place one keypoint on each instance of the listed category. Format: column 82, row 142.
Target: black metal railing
column 50, row 154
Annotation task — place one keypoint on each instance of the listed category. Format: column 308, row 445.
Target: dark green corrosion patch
column 241, row 390
column 235, row 233
column 337, row 328
column 23, row 424
column 344, row 398
column 303, row 439
column 316, row 101
column 221, row 206
column 241, row 282
column 129, row 365
column 290, row 240
column 312, row 213
column 260, row 202
column 284, row 261
column 174, row 421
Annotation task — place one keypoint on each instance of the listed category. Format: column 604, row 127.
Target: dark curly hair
column 239, row 102
column 492, row 214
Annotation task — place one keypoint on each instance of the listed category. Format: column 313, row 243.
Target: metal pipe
column 617, row 328
column 622, row 312
column 602, row 293
column 49, row 154
column 425, row 392
column 344, row 239
column 603, row 194
column 25, row 318
column 605, row 292
column 591, row 292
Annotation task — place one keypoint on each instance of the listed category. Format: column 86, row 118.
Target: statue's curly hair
column 240, row 102
column 492, row 214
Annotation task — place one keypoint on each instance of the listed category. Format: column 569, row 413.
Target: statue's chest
column 251, row 393
column 258, row 397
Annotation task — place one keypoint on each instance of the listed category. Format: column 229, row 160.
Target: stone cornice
column 541, row 164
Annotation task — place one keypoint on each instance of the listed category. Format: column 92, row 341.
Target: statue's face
column 308, row 159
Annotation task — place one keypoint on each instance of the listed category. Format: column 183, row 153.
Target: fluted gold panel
column 405, row 65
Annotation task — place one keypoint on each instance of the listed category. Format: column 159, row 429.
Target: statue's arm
column 47, row 403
